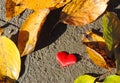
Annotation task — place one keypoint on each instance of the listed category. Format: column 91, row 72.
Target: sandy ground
column 41, row 66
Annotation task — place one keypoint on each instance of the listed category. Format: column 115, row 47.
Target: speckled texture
column 41, row 66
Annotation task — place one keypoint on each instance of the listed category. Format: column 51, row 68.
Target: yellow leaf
column 17, row 1
column 82, row 12
column 10, row 62
column 96, row 58
column 29, row 31
column 95, row 47
column 93, row 37
column 14, row 9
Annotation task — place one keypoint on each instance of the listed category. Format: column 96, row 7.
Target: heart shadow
column 77, row 56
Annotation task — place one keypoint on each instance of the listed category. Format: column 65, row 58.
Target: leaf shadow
column 117, row 11
column 22, row 66
column 97, row 76
column 44, row 38
column 112, row 4
column 51, row 31
column 112, row 7
column 93, row 74
column 14, row 38
column 6, row 24
column 97, row 31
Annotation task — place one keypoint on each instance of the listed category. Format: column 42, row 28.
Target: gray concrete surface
column 41, row 66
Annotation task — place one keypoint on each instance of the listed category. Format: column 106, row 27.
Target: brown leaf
column 29, row 31
column 82, row 12
column 15, row 7
column 10, row 62
column 96, row 58
column 95, row 47
column 1, row 31
column 10, row 9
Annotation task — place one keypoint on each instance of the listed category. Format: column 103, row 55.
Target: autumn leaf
column 85, row 79
column 117, row 59
column 92, row 37
column 82, row 12
column 1, row 31
column 95, row 48
column 29, row 31
column 111, row 30
column 10, row 8
column 15, row 7
column 96, row 58
column 16, row 1
column 9, row 61
column 112, row 79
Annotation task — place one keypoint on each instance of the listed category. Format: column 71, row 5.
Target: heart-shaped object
column 66, row 59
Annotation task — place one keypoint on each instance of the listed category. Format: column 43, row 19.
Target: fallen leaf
column 1, row 31
column 95, row 47
column 112, row 79
column 111, row 30
column 82, row 12
column 15, row 7
column 92, row 37
column 10, row 62
column 96, row 58
column 17, row 1
column 29, row 31
column 10, row 9
column 85, row 79
column 117, row 59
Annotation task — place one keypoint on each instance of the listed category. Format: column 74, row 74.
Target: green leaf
column 111, row 30
column 112, row 79
column 85, row 79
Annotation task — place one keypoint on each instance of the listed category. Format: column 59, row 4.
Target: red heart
column 66, row 59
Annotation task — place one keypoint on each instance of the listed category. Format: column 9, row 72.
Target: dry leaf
column 111, row 30
column 95, row 47
column 1, row 31
column 15, row 7
column 10, row 9
column 117, row 59
column 92, row 37
column 29, row 31
column 17, row 1
column 9, row 61
column 96, row 58
column 82, row 12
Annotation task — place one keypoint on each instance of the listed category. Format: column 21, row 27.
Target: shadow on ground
column 22, row 65
column 48, row 35
column 46, row 39
column 113, row 7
